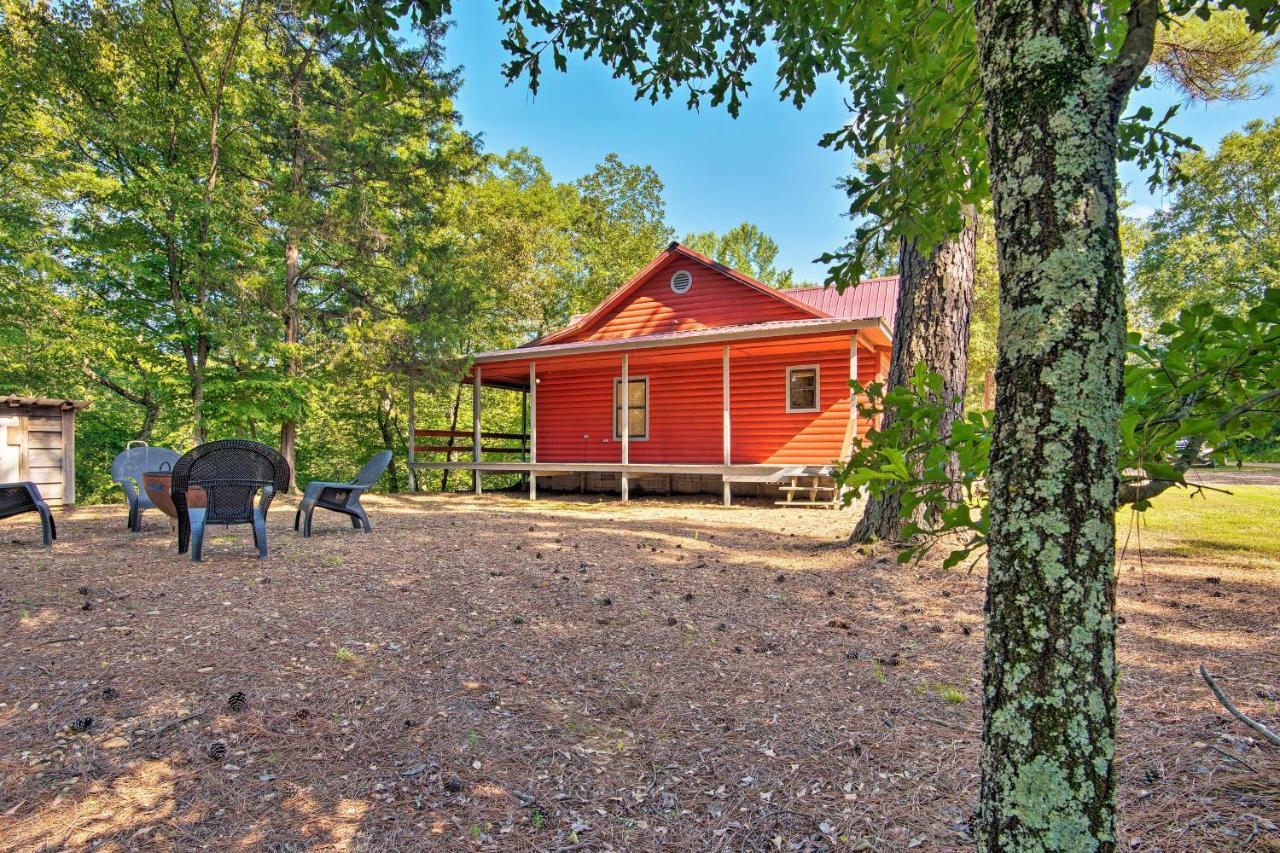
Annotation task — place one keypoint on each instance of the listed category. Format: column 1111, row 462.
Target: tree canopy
column 1218, row 239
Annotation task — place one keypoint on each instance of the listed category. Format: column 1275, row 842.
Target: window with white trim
column 637, row 407
column 802, row 388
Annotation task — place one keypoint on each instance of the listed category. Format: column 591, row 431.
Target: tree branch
column 1146, row 490
column 1135, row 51
column 1258, row 727
column 106, row 382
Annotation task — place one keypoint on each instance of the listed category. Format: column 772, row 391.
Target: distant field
column 1242, row 525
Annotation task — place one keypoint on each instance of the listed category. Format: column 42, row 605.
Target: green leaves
column 1204, row 384
column 1208, row 383
column 908, row 458
column 1218, row 241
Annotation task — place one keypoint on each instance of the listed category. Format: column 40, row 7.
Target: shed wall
column 44, row 454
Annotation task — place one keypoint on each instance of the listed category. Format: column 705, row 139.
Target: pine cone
column 81, row 724
column 109, row 693
column 216, row 750
column 237, row 701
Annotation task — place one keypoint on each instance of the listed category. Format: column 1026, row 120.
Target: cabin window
column 637, row 408
column 802, row 388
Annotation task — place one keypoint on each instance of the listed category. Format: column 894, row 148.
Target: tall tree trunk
column 989, row 390
column 292, row 269
column 214, row 91
column 935, row 304
column 1052, row 108
column 453, row 427
column 386, row 426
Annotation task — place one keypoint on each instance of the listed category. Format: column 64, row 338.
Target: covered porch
column 711, row 416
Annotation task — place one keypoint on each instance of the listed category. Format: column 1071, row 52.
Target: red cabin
column 726, row 379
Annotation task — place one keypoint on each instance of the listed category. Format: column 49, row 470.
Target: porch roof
column 877, row 332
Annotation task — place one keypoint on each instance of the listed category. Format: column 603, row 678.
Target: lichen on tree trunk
column 935, row 304
column 1052, row 107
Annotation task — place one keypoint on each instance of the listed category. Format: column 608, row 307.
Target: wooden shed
column 38, row 443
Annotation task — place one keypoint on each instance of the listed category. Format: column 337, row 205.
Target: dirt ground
column 486, row 673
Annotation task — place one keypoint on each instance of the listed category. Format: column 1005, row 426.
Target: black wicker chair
column 342, row 497
column 17, row 498
column 230, row 474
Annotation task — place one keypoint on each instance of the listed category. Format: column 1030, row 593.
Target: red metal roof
column 873, row 297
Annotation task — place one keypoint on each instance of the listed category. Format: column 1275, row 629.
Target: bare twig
column 1237, row 759
column 1258, row 727
column 175, row 723
column 70, row 639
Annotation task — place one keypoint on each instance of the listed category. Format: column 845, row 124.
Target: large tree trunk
column 935, row 303
column 292, row 268
column 453, row 427
column 386, row 426
column 1049, row 706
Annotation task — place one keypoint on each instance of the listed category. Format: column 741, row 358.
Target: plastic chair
column 342, row 497
column 17, row 498
column 127, row 470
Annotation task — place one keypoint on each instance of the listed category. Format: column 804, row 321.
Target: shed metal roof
column 16, row 400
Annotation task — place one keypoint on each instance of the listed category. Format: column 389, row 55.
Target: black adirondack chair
column 225, row 476
column 342, row 497
column 17, row 498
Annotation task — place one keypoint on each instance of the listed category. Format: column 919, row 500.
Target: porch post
column 853, row 406
column 533, row 428
column 728, row 431
column 625, row 393
column 853, row 395
column 475, row 429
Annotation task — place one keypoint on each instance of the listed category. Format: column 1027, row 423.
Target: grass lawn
column 1243, row 526
column 491, row 674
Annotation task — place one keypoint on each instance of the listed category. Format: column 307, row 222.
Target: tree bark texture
column 292, row 267
column 386, row 426
column 935, row 304
column 1049, row 708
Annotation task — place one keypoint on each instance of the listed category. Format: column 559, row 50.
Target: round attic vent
column 681, row 281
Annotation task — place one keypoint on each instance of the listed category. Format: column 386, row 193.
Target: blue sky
column 765, row 167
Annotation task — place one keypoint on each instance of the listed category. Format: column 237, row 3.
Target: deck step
column 807, row 488
column 827, row 504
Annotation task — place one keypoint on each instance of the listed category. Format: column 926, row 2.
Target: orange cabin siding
column 714, row 300
column 575, row 411
column 575, row 404
column 765, row 432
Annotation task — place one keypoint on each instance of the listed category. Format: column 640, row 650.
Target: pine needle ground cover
column 486, row 673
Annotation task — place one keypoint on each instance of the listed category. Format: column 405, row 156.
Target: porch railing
column 467, row 445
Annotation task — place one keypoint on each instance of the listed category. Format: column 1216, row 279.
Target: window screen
column 802, row 389
column 638, row 408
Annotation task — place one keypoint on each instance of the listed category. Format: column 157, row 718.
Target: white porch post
column 533, row 428
column 853, row 406
column 728, row 431
column 475, row 430
column 625, row 392
column 853, row 395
